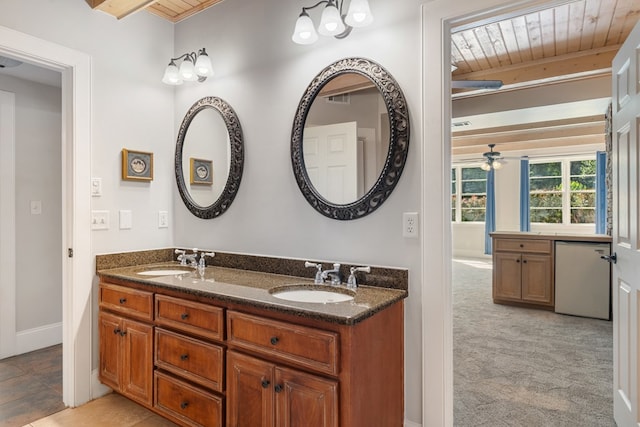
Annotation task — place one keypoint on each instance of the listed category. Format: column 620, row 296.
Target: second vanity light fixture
column 332, row 21
column 194, row 67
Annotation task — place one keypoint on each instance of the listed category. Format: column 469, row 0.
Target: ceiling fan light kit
column 491, row 159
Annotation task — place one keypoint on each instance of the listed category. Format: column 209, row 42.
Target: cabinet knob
column 184, row 316
column 518, row 260
column 123, row 300
column 116, row 331
column 184, row 356
column 521, row 245
column 278, row 388
column 184, row 405
column 265, row 383
column 123, row 333
column 274, row 340
column 524, row 261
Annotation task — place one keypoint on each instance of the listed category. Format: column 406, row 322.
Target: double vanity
column 231, row 344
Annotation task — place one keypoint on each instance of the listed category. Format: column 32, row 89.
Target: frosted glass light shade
column 331, row 22
column 203, row 65
column 188, row 71
column 496, row 164
column 304, row 32
column 172, row 75
column 485, row 166
column 359, row 14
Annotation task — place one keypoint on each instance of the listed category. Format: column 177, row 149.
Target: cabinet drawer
column 308, row 347
column 522, row 245
column 188, row 316
column 188, row 404
column 193, row 359
column 132, row 302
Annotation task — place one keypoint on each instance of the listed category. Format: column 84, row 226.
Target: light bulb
column 496, row 164
column 331, row 23
column 359, row 14
column 485, row 166
column 304, row 32
column 203, row 65
column 172, row 75
column 188, row 71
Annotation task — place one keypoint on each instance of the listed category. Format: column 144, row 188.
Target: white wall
column 262, row 74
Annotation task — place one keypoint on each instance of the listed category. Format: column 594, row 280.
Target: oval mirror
column 350, row 139
column 209, row 157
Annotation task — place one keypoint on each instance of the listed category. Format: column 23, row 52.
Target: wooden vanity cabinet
column 523, row 271
column 126, row 345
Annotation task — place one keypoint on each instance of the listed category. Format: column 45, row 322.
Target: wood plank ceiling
column 172, row 10
column 573, row 41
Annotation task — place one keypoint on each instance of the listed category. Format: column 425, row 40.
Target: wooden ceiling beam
column 532, row 144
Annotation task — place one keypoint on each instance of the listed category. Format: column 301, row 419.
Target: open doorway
column 75, row 253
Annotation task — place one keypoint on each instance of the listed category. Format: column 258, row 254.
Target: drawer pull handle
column 265, row 383
column 184, row 316
column 278, row 388
column 184, row 405
column 184, row 356
column 123, row 300
column 274, row 340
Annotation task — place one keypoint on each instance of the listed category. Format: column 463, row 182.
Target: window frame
column 458, row 192
column 565, row 170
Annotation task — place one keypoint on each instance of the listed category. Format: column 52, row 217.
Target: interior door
column 331, row 160
column 626, row 273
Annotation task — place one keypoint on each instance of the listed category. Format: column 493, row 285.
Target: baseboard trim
column 37, row 338
column 408, row 423
column 97, row 388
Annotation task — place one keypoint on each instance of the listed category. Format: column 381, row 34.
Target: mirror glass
column 209, row 157
column 346, row 138
column 206, row 157
column 350, row 139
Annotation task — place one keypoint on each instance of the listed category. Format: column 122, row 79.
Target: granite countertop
column 254, row 288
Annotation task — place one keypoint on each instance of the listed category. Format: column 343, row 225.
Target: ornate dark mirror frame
column 236, row 165
column 398, row 141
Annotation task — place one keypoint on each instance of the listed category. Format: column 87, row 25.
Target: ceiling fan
column 492, row 159
column 474, row 84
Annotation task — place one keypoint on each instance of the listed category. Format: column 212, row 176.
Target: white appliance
column 583, row 279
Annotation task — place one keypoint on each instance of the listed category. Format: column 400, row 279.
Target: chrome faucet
column 184, row 257
column 318, row 279
column 202, row 264
column 352, row 283
column 334, row 274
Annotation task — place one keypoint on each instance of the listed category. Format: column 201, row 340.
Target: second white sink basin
column 314, row 295
column 162, row 272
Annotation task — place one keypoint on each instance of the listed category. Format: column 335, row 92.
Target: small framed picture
column 201, row 172
column 137, row 165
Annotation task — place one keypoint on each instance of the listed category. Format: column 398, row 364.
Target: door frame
column 438, row 18
column 77, row 272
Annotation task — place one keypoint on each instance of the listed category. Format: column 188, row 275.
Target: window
column 469, row 194
column 563, row 192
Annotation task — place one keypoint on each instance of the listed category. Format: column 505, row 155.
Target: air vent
column 460, row 124
column 343, row 98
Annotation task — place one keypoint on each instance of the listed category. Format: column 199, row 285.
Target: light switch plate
column 163, row 219
column 36, row 207
column 96, row 187
column 99, row 220
column 126, row 220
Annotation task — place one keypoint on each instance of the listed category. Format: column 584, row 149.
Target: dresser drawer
column 186, row 403
column 131, row 302
column 195, row 360
column 189, row 316
column 522, row 245
column 307, row 347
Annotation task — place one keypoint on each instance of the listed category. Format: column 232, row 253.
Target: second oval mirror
column 350, row 138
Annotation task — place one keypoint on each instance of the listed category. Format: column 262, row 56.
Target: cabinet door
column 507, row 276
column 137, row 376
column 109, row 328
column 536, row 278
column 249, row 391
column 305, row 400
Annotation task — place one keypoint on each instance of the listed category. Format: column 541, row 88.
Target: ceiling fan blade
column 476, row 84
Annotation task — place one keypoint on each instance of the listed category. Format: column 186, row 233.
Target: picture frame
column 201, row 171
column 137, row 165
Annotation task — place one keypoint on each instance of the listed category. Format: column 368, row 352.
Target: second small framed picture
column 201, row 171
column 137, row 165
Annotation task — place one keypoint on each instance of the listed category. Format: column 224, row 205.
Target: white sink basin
column 318, row 296
column 162, row 272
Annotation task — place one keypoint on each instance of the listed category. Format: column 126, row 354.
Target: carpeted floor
column 521, row 367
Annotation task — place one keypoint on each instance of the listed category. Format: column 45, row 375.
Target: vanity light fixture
column 332, row 21
column 194, row 67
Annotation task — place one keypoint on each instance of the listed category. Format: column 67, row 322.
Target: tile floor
column 31, row 396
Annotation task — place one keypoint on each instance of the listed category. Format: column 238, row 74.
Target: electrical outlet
column 163, row 219
column 410, row 224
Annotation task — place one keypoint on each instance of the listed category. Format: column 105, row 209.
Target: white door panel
column 626, row 239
